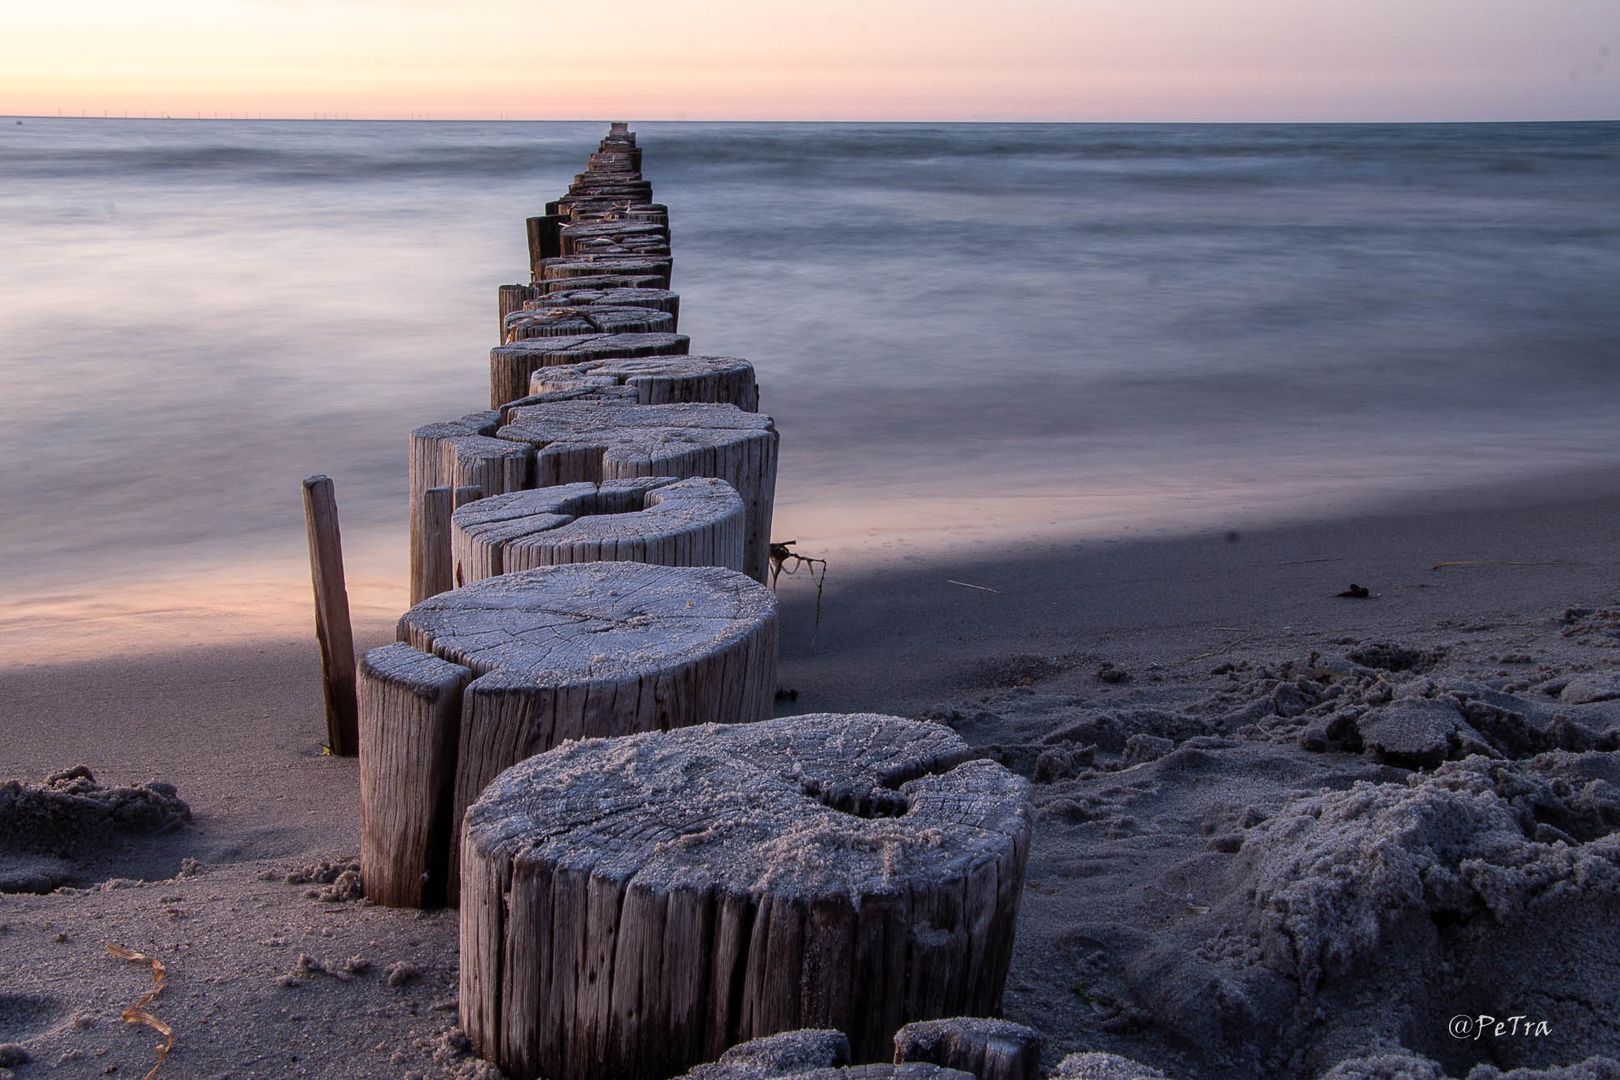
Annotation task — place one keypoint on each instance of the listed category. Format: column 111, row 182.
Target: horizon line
column 501, row 119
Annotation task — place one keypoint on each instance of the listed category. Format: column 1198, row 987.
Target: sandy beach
column 1048, row 541
column 1157, row 691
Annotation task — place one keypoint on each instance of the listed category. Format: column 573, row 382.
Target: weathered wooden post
column 607, row 440
column 554, row 322
column 332, row 628
column 657, row 299
column 658, row 380
column 430, row 572
column 412, row 704
column 630, row 907
column 558, row 653
column 511, row 365
column 651, row 519
column 566, row 267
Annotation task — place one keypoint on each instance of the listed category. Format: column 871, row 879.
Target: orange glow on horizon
column 841, row 59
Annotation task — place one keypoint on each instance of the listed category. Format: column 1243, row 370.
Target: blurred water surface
column 967, row 333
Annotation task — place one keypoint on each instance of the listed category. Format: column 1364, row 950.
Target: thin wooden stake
column 332, row 627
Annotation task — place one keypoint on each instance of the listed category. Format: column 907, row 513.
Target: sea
column 972, row 336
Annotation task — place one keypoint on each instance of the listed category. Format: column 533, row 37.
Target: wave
column 299, row 152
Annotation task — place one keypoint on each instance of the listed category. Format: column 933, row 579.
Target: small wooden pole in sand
column 332, row 627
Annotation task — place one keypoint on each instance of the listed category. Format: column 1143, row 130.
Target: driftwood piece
column 659, row 380
column 559, row 321
column 633, row 906
column 605, row 440
column 411, row 704
column 651, row 519
column 511, row 365
column 332, row 627
column 986, row 1048
column 569, row 652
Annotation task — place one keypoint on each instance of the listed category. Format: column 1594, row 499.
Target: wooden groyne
column 572, row 736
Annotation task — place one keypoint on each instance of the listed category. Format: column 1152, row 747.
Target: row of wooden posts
column 572, row 737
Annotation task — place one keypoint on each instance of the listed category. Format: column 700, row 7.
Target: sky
column 1103, row 60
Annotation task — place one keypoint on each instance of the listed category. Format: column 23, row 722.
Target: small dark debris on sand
column 338, row 880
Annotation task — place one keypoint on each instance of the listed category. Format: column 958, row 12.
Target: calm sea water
column 966, row 332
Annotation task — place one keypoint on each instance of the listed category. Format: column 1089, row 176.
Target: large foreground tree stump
column 652, row 519
column 511, row 365
column 563, row 652
column 605, row 440
column 660, row 380
column 633, row 906
column 573, row 321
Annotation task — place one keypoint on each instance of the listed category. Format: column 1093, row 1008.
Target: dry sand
column 1210, row 891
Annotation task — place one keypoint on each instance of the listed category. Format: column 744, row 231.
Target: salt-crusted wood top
column 807, row 806
column 561, row 625
column 560, row 321
column 568, row 266
column 658, row 299
column 661, row 380
column 699, row 521
column 510, row 365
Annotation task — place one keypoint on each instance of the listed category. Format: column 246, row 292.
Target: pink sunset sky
column 831, row 60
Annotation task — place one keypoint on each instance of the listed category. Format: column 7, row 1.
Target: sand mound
column 1281, row 867
column 1336, row 877
column 45, row 829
